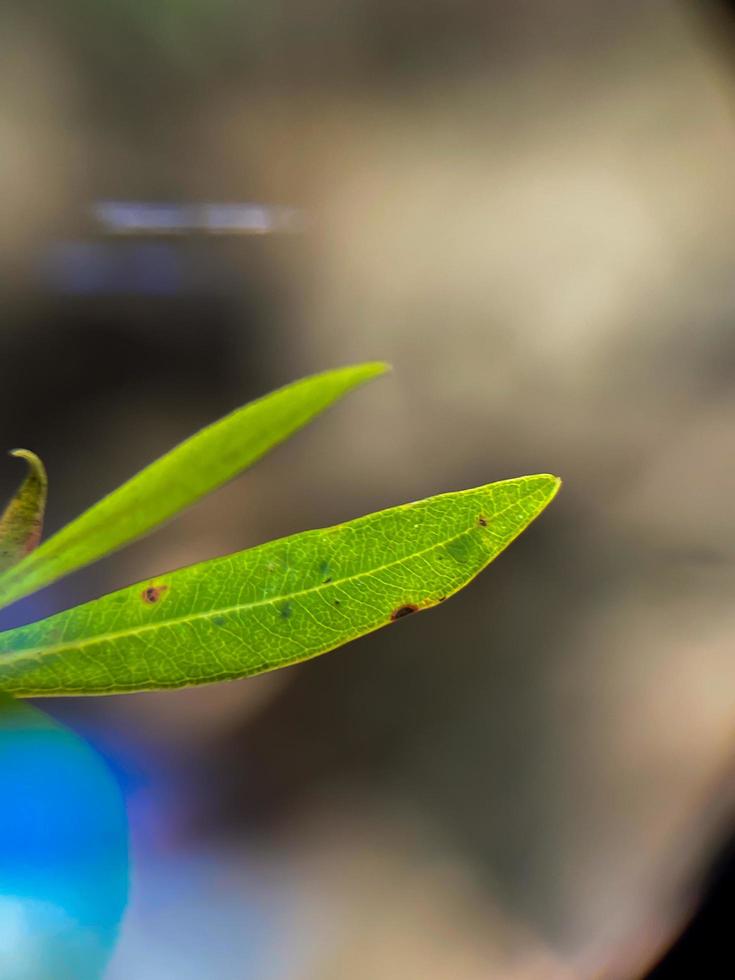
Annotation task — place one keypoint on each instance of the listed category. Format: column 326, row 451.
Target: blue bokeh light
column 63, row 851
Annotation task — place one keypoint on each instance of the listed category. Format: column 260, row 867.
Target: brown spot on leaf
column 482, row 521
column 153, row 593
column 403, row 611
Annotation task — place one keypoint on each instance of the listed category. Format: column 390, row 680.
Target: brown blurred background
column 528, row 209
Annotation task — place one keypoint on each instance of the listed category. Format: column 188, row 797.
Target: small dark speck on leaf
column 337, row 602
column 219, row 620
column 442, row 598
column 327, row 580
column 403, row 611
column 482, row 521
column 286, row 610
column 153, row 593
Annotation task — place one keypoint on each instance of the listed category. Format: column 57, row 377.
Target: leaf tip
column 555, row 481
column 34, row 463
column 373, row 369
column 549, row 484
column 22, row 454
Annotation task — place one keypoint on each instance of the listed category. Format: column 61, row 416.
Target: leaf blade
column 186, row 473
column 274, row 605
column 21, row 523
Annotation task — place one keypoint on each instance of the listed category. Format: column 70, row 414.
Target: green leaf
column 194, row 468
column 273, row 605
column 22, row 521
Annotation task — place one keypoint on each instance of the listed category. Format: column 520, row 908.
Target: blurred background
column 528, row 209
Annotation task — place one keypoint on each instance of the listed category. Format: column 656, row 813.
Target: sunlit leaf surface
column 273, row 605
column 194, row 468
column 22, row 521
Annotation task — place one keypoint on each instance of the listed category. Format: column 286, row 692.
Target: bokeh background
column 528, row 209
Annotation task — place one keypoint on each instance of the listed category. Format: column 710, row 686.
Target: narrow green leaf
column 22, row 521
column 191, row 470
column 273, row 605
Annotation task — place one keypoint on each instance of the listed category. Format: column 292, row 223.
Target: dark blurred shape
column 725, row 6
column 708, row 936
column 96, row 267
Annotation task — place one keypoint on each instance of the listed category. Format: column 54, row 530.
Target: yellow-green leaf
column 191, row 470
column 21, row 524
column 273, row 605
